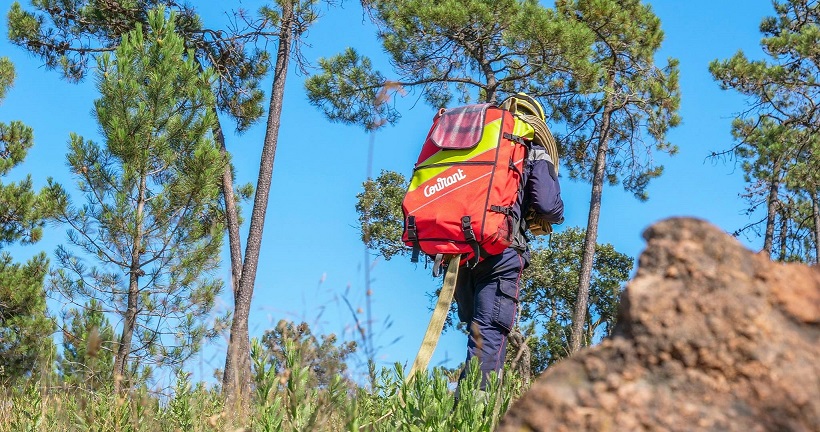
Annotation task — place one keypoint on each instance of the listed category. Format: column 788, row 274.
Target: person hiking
column 487, row 293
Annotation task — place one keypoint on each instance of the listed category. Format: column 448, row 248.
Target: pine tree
column 80, row 29
column 25, row 328
column 324, row 355
column 617, row 115
column 381, row 220
column 766, row 151
column 150, row 219
column 783, row 107
column 803, row 182
column 67, row 34
column 64, row 35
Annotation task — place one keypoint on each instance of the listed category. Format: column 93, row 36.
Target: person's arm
column 543, row 188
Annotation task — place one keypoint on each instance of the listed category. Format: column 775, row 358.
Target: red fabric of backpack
column 464, row 184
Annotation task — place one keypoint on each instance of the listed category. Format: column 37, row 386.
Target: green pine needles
column 24, row 324
column 775, row 136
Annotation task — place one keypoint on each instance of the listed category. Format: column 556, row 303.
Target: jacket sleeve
column 542, row 186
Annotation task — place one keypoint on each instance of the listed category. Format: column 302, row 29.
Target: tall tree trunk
column 580, row 311
column 124, row 349
column 815, row 209
column 231, row 214
column 783, row 234
column 130, row 322
column 237, row 375
column 772, row 204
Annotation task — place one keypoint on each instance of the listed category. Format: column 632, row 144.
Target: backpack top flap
column 460, row 128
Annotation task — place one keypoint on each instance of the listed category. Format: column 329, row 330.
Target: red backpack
column 465, row 184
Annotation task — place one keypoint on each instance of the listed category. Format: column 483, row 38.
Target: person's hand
column 538, row 225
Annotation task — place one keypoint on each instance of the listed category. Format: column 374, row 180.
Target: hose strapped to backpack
column 543, row 137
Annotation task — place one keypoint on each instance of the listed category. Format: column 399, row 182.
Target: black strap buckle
column 469, row 235
column 514, row 138
column 413, row 236
column 499, row 209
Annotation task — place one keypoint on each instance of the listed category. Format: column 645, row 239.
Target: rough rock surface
column 711, row 337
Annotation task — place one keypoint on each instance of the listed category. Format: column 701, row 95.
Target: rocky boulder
column 710, row 337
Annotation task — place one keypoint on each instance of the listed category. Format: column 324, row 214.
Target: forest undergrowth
column 286, row 398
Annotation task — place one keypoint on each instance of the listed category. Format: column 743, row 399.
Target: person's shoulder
column 538, row 152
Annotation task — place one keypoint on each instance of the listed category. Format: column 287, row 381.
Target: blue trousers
column 487, row 300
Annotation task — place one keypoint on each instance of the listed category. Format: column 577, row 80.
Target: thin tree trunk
column 130, row 322
column 236, row 379
column 783, row 235
column 231, row 214
column 815, row 207
column 772, row 203
column 553, row 305
column 590, row 329
column 582, row 299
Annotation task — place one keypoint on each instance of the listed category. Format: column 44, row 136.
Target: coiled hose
column 543, row 136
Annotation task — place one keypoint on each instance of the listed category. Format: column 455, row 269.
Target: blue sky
column 312, row 258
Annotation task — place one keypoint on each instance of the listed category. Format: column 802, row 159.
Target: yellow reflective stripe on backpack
column 489, row 141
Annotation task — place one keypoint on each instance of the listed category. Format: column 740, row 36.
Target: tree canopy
column 24, row 321
column 775, row 134
column 451, row 51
